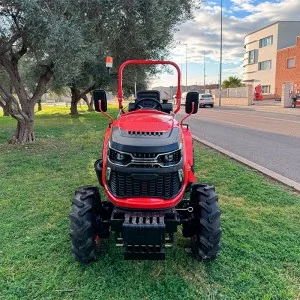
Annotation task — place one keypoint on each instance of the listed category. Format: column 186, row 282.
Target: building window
column 265, row 65
column 252, row 57
column 291, row 62
column 268, row 41
column 265, row 89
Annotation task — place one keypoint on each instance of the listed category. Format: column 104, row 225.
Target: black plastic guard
column 144, row 235
column 98, row 165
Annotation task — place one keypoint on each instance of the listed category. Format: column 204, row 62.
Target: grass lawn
column 260, row 255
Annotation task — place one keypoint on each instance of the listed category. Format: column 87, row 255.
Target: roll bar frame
column 148, row 62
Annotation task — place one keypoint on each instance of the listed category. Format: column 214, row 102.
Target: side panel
column 104, row 153
column 189, row 151
column 188, row 144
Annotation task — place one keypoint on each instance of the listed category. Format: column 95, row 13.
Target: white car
column 206, row 100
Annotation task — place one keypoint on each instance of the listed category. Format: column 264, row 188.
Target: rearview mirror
column 100, row 95
column 191, row 97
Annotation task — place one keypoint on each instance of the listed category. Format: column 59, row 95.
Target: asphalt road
column 271, row 140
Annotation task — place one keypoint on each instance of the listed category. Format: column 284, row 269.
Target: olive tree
column 126, row 29
column 65, row 41
column 45, row 35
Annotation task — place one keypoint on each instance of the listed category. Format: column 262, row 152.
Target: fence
column 241, row 96
column 239, row 92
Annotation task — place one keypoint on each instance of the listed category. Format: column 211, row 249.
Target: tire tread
column 82, row 224
column 207, row 229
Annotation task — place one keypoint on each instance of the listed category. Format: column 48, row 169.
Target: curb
column 295, row 185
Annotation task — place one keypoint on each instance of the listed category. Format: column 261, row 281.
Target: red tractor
column 147, row 173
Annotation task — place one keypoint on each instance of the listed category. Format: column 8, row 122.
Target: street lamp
column 186, row 66
column 221, row 49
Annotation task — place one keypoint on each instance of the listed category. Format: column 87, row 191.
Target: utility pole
column 204, row 72
column 186, row 67
column 221, row 49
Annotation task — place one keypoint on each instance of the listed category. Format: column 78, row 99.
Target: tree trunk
column 24, row 132
column 39, row 105
column 22, row 110
column 75, row 97
column 89, row 104
column 73, row 109
column 25, row 123
column 24, row 117
column 5, row 111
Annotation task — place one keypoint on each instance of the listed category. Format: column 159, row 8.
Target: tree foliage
column 45, row 35
column 136, row 29
column 232, row 82
column 66, row 41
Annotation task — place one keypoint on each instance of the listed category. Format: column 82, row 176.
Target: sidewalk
column 275, row 108
column 279, row 109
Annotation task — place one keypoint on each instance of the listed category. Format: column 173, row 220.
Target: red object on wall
column 258, row 94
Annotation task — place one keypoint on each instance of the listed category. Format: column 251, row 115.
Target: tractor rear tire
column 84, row 213
column 206, row 223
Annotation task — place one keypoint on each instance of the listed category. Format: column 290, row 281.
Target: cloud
column 240, row 18
column 204, row 30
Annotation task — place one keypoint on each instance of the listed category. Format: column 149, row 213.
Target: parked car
column 206, row 100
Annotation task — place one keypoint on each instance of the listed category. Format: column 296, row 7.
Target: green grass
column 259, row 259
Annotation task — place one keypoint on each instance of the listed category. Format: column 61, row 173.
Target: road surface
column 269, row 139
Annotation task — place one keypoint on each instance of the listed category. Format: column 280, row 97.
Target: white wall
column 251, row 72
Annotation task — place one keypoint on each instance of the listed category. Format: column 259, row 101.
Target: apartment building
column 260, row 58
column 288, row 66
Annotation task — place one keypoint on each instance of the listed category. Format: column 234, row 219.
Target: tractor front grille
column 144, row 155
column 165, row 185
column 143, row 133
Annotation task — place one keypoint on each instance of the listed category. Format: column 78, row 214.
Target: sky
column 202, row 35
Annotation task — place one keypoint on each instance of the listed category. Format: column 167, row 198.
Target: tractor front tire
column 205, row 222
column 83, row 224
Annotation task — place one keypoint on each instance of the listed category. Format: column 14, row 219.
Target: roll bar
column 148, row 62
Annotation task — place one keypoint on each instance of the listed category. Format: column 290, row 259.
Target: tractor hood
column 146, row 121
column 145, row 132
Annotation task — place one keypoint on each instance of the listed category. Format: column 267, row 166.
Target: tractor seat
column 166, row 107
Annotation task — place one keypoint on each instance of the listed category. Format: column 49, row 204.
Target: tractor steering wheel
column 148, row 103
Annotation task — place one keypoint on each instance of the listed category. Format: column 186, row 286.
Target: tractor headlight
column 119, row 157
column 169, row 157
